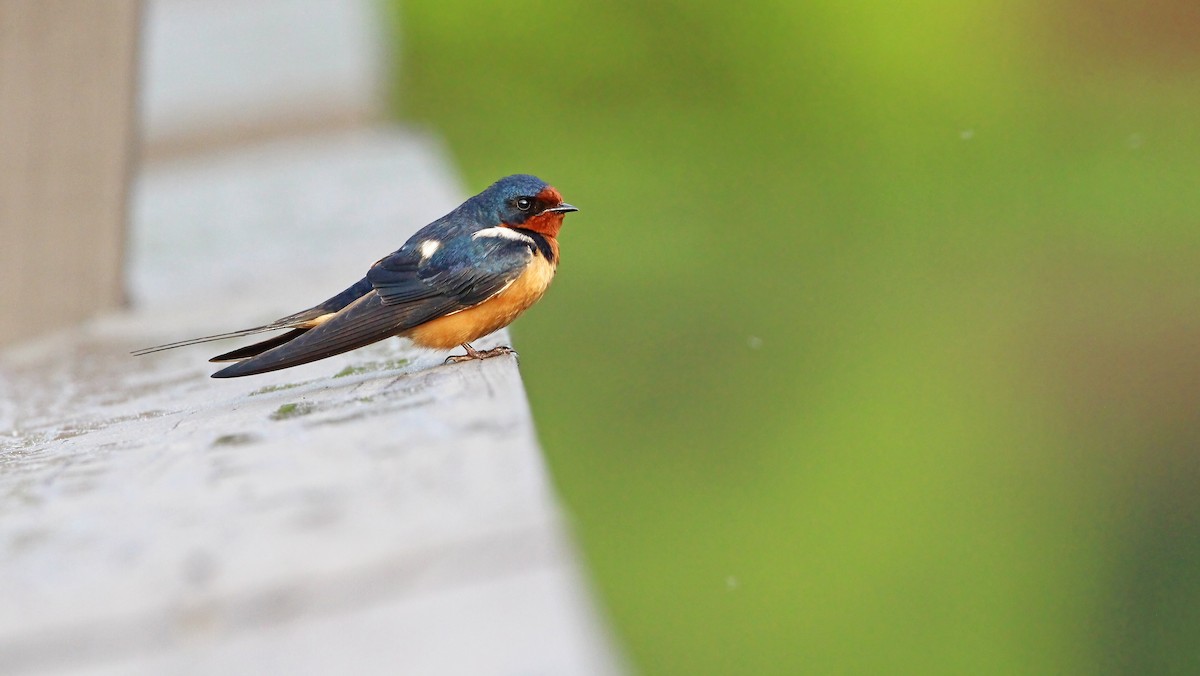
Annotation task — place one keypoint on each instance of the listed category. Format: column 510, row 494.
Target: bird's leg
column 472, row 353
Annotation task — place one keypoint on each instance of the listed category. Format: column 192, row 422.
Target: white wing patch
column 503, row 233
column 430, row 247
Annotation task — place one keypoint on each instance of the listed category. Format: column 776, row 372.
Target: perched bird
column 463, row 276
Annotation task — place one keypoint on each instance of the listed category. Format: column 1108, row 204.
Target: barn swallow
column 463, row 276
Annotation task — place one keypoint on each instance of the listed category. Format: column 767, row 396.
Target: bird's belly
column 491, row 315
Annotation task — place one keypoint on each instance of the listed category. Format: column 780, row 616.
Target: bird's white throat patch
column 503, row 233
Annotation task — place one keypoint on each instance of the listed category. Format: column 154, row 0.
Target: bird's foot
column 497, row 351
column 473, row 354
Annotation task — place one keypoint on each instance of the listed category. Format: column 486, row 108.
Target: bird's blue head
column 525, row 202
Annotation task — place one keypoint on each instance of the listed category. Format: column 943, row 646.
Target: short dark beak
column 563, row 208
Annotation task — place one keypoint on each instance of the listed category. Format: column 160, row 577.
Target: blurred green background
column 874, row 346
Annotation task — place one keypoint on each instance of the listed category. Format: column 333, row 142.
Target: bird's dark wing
column 300, row 321
column 361, row 323
column 409, row 290
column 334, row 304
column 460, row 273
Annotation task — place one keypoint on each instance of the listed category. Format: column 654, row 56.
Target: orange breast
column 491, row 315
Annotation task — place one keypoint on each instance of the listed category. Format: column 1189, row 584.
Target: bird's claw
column 473, row 354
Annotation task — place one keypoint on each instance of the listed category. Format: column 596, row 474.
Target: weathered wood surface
column 376, row 512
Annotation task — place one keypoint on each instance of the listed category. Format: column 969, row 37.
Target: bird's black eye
column 523, row 203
